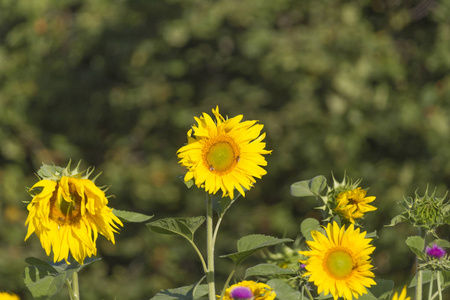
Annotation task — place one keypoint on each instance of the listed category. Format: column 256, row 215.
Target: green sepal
column 188, row 183
column 397, row 219
column 248, row 245
column 307, row 188
column 45, row 279
column 267, row 270
column 131, row 217
column 416, row 244
column 184, row 227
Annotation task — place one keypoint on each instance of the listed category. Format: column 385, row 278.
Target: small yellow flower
column 339, row 262
column 8, row 296
column 249, row 290
column 68, row 214
column 402, row 295
column 224, row 154
column 354, row 204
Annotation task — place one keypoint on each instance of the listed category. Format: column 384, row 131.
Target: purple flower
column 302, row 266
column 241, row 293
column 435, row 251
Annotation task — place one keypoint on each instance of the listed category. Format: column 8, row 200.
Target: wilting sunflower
column 402, row 295
column 8, row 296
column 224, row 154
column 67, row 213
column 249, row 290
column 339, row 262
column 354, row 204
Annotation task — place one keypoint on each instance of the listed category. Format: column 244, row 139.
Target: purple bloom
column 435, row 251
column 302, row 266
column 241, row 293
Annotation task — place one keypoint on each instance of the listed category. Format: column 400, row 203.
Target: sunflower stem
column 309, row 293
column 419, row 272
column 438, row 279
column 69, row 287
column 75, row 286
column 210, row 248
column 430, row 290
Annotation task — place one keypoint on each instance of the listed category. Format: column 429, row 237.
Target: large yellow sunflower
column 224, row 155
column 402, row 295
column 354, row 204
column 67, row 215
column 249, row 290
column 339, row 262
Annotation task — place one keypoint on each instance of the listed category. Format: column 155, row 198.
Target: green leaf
column 252, row 243
column 183, row 293
column 372, row 235
column 267, row 270
column 185, row 227
column 45, row 279
column 367, row 296
column 441, row 243
column 307, row 226
column 283, row 290
column 382, row 289
column 416, row 244
column 129, row 216
column 221, row 204
column 188, row 183
column 311, row 187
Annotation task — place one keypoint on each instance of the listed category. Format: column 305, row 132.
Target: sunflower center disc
column 62, row 211
column 221, row 156
column 339, row 263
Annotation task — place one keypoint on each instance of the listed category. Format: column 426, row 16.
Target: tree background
column 360, row 87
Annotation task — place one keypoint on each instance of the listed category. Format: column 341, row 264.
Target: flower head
column 67, row 213
column 354, row 204
column 435, row 252
column 339, row 262
column 224, row 154
column 402, row 295
column 8, row 296
column 249, row 290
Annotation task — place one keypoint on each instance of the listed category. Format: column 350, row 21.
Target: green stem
column 225, row 286
column 75, row 286
column 430, row 290
column 205, row 269
column 419, row 272
column 210, row 248
column 69, row 287
column 439, row 284
column 309, row 293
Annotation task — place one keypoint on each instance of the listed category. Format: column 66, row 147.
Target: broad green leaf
column 416, row 244
column 250, row 244
column 185, row 227
column 129, row 216
column 45, row 279
column 367, row 296
column 283, row 290
column 441, row 243
column 266, row 270
column 183, row 293
column 311, row 187
column 382, row 289
column 307, row 226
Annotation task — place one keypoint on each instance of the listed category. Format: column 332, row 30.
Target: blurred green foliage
column 355, row 86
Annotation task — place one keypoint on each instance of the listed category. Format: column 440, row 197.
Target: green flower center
column 338, row 263
column 221, row 154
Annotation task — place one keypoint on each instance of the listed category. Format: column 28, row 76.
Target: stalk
column 210, row 248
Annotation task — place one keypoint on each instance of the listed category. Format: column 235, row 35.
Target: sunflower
column 402, row 295
column 224, row 154
column 67, row 214
column 354, row 204
column 249, row 290
column 8, row 296
column 339, row 262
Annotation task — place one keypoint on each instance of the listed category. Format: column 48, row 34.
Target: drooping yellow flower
column 249, row 290
column 402, row 295
column 224, row 155
column 8, row 296
column 354, row 204
column 339, row 262
column 68, row 214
